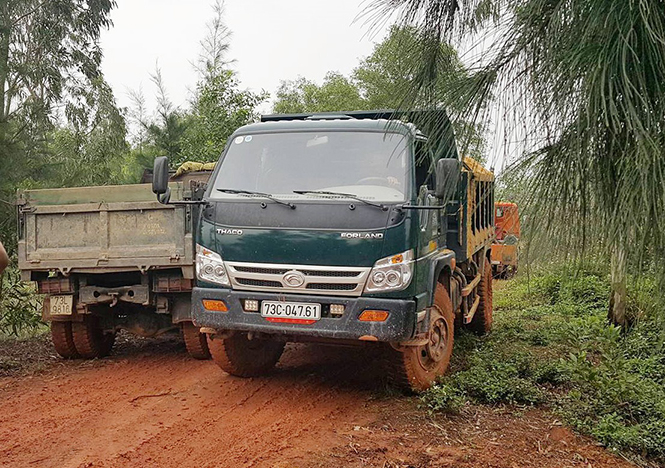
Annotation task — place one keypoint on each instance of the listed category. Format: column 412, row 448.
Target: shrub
column 552, row 345
column 20, row 306
column 444, row 398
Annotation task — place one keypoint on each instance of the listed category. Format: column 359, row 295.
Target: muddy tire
column 481, row 323
column 415, row 368
column 63, row 341
column 243, row 357
column 90, row 340
column 195, row 341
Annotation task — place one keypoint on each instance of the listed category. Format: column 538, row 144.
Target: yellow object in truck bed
column 193, row 166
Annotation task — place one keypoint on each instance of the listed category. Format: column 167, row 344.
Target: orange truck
column 504, row 248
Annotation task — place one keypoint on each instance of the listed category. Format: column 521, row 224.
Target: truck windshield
column 370, row 165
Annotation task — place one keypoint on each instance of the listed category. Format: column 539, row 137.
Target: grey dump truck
column 110, row 258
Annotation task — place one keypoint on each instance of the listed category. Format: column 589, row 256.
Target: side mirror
column 160, row 179
column 447, row 178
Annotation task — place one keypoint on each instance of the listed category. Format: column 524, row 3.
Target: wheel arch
column 441, row 270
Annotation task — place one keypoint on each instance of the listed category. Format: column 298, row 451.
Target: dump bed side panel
column 471, row 218
column 102, row 229
column 479, row 209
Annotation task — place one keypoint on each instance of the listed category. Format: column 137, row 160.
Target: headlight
column 392, row 273
column 210, row 267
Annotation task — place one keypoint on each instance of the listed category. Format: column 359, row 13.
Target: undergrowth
column 552, row 345
column 20, row 306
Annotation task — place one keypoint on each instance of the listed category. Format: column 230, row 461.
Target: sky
column 272, row 40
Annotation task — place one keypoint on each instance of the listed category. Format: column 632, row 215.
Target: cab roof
column 379, row 125
column 434, row 123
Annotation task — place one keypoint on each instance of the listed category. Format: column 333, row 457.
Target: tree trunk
column 5, row 33
column 619, row 295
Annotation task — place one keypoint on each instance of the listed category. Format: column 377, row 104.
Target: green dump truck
column 350, row 228
column 110, row 258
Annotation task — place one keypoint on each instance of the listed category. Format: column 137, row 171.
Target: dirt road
column 152, row 406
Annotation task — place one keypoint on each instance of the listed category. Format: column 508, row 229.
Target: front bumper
column 399, row 326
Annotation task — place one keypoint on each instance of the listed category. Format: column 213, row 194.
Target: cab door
column 428, row 219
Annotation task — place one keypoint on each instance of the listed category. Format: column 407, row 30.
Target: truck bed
column 103, row 229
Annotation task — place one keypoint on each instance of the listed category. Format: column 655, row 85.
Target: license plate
column 61, row 305
column 291, row 312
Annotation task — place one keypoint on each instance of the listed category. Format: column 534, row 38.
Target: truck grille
column 259, row 283
column 340, row 281
column 332, row 286
column 264, row 271
column 339, row 274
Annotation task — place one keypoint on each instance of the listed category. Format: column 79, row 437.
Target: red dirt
column 155, row 407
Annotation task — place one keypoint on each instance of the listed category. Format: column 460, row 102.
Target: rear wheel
column 415, row 368
column 195, row 341
column 63, row 341
column 242, row 357
column 90, row 340
column 481, row 323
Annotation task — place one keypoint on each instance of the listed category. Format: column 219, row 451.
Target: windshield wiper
column 257, row 194
column 340, row 194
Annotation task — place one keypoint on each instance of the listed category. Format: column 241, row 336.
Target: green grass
column 552, row 346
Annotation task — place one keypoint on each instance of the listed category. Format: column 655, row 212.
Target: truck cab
column 344, row 228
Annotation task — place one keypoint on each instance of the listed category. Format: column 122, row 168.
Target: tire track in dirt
column 291, row 417
column 322, row 407
column 137, row 412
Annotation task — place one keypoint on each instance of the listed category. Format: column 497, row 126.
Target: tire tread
column 195, row 341
column 236, row 358
column 401, row 369
column 63, row 341
column 90, row 341
column 481, row 323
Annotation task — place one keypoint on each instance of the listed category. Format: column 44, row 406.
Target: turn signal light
column 397, row 259
column 373, row 316
column 215, row 306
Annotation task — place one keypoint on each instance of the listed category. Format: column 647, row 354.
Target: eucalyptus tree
column 219, row 108
column 215, row 45
column 49, row 55
column 167, row 130
column 219, row 105
column 336, row 93
column 586, row 80
column 49, row 75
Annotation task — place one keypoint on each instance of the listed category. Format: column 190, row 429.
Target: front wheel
column 242, row 357
column 415, row 368
column 195, row 341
